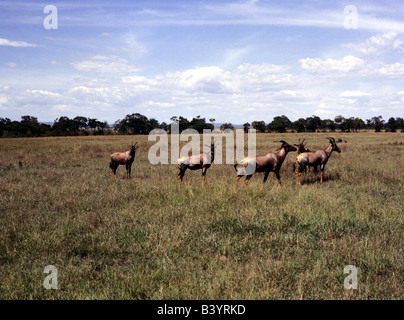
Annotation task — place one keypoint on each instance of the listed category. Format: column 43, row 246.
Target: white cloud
column 105, row 64
column 350, row 64
column 329, row 66
column 214, row 80
column 3, row 99
column 354, row 94
column 206, row 79
column 248, row 92
column 45, row 93
column 62, row 107
column 155, row 104
column 394, row 70
column 378, row 44
column 134, row 79
column 210, row 91
column 324, row 113
column 80, row 93
column 15, row 44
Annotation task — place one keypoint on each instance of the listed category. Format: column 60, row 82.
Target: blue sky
column 234, row 61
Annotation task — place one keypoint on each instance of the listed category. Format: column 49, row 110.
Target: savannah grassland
column 148, row 239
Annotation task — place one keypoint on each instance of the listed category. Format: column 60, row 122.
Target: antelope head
column 334, row 144
column 301, row 146
column 286, row 146
column 133, row 147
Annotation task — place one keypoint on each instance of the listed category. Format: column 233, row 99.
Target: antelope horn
column 135, row 143
column 331, row 139
column 283, row 141
column 303, row 140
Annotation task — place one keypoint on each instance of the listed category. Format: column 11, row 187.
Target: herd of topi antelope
column 271, row 162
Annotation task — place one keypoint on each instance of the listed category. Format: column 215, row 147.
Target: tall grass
column 146, row 238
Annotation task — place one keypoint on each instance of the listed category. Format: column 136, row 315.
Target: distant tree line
column 316, row 124
column 137, row 123
column 63, row 126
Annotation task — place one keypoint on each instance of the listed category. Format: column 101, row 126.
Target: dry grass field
column 148, row 239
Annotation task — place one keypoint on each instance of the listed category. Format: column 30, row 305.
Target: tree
column 328, row 124
column 400, row 124
column 349, row 124
column 340, row 122
column 81, row 122
column 135, row 123
column 64, row 126
column 246, row 126
column 226, row 125
column 28, row 127
column 391, row 125
column 29, row 119
column 5, row 126
column 259, row 126
column 199, row 124
column 152, row 124
column 165, row 126
column 299, row 125
column 97, row 126
column 313, row 123
column 182, row 122
column 358, row 124
column 280, row 124
column 376, row 123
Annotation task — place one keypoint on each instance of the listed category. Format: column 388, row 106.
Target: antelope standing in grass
column 195, row 162
column 266, row 163
column 301, row 148
column 125, row 158
column 315, row 158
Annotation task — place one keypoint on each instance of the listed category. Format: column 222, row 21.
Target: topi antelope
column 301, row 147
column 195, row 162
column 126, row 158
column 315, row 158
column 266, row 163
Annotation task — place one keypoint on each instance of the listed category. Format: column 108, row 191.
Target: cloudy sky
column 232, row 60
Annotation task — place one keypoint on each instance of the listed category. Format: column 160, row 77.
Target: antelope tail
column 235, row 167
